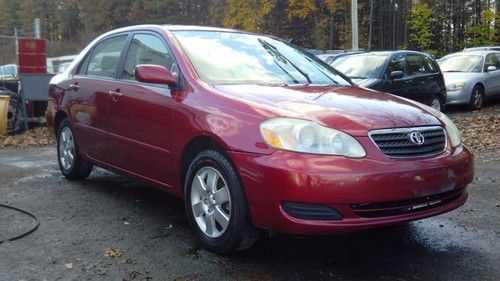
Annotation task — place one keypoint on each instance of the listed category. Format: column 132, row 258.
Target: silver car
column 471, row 77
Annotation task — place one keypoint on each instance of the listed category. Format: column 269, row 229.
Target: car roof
column 473, row 52
column 390, row 53
column 200, row 28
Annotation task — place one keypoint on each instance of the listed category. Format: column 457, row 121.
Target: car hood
column 365, row 82
column 351, row 109
column 452, row 77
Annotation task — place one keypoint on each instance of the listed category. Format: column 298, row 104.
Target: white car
column 471, row 77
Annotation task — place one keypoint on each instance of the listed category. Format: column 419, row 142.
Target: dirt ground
column 112, row 228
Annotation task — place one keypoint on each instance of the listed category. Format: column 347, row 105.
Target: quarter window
column 146, row 49
column 104, row 58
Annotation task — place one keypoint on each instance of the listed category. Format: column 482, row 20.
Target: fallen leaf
column 114, row 252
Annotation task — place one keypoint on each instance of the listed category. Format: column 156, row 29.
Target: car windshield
column 461, row 63
column 360, row 66
column 241, row 58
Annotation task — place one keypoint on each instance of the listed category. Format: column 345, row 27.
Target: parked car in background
column 483, row 48
column 408, row 74
column 253, row 133
column 57, row 65
column 315, row 52
column 9, row 72
column 330, row 57
column 471, row 77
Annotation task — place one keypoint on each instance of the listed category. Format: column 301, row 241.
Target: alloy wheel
column 210, row 202
column 66, row 148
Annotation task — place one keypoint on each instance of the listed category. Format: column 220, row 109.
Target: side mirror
column 491, row 68
column 397, row 75
column 151, row 73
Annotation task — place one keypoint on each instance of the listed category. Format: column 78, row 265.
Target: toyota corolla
column 254, row 134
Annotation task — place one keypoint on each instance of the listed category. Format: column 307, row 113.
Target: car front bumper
column 369, row 192
column 458, row 97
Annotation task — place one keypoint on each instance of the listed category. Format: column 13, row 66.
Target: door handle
column 115, row 95
column 74, row 87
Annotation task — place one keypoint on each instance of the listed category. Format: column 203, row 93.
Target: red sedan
column 254, row 134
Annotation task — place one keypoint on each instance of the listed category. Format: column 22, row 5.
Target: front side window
column 146, row 49
column 397, row 63
column 417, row 65
column 105, row 55
column 241, row 58
column 491, row 60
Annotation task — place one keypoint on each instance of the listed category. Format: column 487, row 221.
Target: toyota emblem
column 417, row 138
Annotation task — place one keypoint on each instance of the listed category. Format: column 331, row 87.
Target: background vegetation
column 436, row 26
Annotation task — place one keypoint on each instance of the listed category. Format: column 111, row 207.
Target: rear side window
column 105, row 55
column 417, row 65
column 146, row 49
column 397, row 63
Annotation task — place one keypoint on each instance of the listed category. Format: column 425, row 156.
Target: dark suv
column 408, row 74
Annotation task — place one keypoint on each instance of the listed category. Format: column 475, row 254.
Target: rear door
column 89, row 96
column 400, row 86
column 140, row 114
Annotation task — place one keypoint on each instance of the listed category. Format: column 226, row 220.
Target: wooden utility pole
column 354, row 24
column 370, row 30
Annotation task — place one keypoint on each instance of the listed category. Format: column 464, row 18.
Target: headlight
column 309, row 137
column 452, row 130
column 455, row 86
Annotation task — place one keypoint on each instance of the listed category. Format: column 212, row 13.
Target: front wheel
column 476, row 98
column 216, row 204
column 436, row 103
column 71, row 163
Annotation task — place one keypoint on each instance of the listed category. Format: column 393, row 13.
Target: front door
column 140, row 115
column 399, row 86
column 492, row 80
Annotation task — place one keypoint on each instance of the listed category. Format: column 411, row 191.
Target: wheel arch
column 195, row 146
column 59, row 117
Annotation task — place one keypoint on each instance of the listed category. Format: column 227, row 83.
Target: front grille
column 397, row 143
column 394, row 208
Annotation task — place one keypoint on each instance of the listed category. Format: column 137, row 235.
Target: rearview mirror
column 151, row 73
column 491, row 68
column 397, row 75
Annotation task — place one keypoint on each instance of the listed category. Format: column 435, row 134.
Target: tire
column 15, row 116
column 218, row 213
column 71, row 163
column 436, row 103
column 476, row 98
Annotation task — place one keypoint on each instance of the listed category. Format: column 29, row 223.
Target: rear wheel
column 71, row 163
column 15, row 116
column 216, row 204
column 476, row 98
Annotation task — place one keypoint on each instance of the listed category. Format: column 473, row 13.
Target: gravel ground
column 112, row 228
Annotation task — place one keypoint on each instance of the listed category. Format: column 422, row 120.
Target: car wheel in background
column 216, row 204
column 476, row 98
column 16, row 117
column 71, row 163
column 436, row 103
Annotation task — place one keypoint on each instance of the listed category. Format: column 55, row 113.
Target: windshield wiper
column 273, row 51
